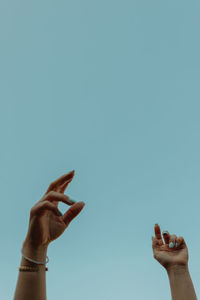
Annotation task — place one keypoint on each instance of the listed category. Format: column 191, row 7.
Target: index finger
column 60, row 181
column 157, row 232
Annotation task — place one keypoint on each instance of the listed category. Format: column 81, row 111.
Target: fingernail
column 164, row 232
column 156, row 224
column 152, row 238
column 176, row 245
column 73, row 171
column 171, row 245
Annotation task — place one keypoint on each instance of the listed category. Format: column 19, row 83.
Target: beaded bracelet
column 30, row 269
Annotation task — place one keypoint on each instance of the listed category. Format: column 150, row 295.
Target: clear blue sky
column 110, row 89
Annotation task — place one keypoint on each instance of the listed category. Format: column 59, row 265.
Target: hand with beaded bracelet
column 46, row 224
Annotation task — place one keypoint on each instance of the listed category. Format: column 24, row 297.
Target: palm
column 46, row 228
column 56, row 227
column 167, row 256
column 49, row 227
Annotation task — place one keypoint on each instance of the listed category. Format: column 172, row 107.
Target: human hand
column 46, row 223
column 170, row 252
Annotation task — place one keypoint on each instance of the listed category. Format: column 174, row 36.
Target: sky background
column 110, row 89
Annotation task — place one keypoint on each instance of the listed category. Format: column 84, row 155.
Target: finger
column 155, row 242
column 155, row 247
column 63, row 187
column 41, row 207
column 172, row 241
column 166, row 236
column 55, row 197
column 158, row 234
column 180, row 242
column 72, row 212
column 60, row 181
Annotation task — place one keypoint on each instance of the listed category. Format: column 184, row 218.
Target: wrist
column 37, row 253
column 177, row 270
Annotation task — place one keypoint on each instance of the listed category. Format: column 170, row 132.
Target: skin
column 45, row 225
column 175, row 262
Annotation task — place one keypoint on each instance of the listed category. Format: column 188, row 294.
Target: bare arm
column 32, row 285
column 181, row 283
column 45, row 225
column 172, row 253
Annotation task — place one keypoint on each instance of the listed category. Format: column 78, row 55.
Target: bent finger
column 180, row 242
column 56, row 197
column 166, row 236
column 41, row 207
column 172, row 241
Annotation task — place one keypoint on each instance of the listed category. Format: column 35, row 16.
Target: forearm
column 32, row 285
column 181, row 283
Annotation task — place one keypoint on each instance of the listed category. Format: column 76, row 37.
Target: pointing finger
column 155, row 242
column 158, row 233
column 60, row 181
column 63, row 187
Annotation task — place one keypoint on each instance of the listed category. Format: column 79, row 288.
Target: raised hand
column 46, row 222
column 169, row 251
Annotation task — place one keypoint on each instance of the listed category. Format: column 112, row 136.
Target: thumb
column 72, row 212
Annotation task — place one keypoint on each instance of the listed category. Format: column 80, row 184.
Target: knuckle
column 45, row 204
column 173, row 237
column 50, row 194
column 33, row 209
